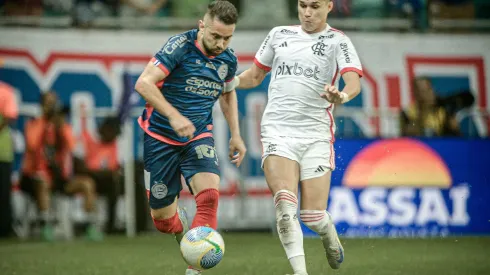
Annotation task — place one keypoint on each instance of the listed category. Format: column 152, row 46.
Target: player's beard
column 210, row 51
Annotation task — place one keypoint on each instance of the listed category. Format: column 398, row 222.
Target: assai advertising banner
column 411, row 188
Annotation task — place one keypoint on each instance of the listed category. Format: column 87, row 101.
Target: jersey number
column 203, row 151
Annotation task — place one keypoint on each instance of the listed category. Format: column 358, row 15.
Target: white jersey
column 301, row 65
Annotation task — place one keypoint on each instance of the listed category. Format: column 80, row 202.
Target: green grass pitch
column 247, row 254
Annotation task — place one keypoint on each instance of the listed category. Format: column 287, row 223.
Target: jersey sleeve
column 230, row 76
column 170, row 54
column 347, row 58
column 232, row 67
column 265, row 54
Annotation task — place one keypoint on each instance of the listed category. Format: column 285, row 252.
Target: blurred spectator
column 482, row 9
column 144, row 7
column 451, row 9
column 342, row 8
column 48, row 165
column 23, row 7
column 101, row 163
column 85, row 11
column 189, row 8
column 432, row 116
column 57, row 7
column 8, row 112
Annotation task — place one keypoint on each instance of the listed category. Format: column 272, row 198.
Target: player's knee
column 278, row 184
column 162, row 213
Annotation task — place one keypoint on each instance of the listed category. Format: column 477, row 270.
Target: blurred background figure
column 86, row 11
column 145, row 7
column 430, row 115
column 47, row 166
column 101, row 163
column 23, row 7
column 8, row 113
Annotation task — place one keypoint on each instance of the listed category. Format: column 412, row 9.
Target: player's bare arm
column 251, row 78
column 229, row 107
column 146, row 86
column 352, row 89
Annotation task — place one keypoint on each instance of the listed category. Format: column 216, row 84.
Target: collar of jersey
column 199, row 47
column 317, row 34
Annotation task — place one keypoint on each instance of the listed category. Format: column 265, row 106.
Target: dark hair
column 45, row 95
column 112, row 123
column 224, row 11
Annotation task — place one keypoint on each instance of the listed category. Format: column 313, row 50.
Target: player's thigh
column 281, row 173
column 314, row 192
column 162, row 177
column 280, row 162
column 316, row 166
column 200, row 165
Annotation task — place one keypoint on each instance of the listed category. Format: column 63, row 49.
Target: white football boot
column 185, row 224
column 191, row 271
column 332, row 245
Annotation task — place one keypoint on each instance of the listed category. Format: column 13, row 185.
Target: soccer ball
column 202, row 247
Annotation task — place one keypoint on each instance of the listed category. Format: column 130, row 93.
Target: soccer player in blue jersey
column 181, row 84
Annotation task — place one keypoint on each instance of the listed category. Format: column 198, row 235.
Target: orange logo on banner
column 397, row 162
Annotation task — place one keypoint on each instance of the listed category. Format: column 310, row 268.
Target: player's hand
column 332, row 94
column 237, row 150
column 182, row 126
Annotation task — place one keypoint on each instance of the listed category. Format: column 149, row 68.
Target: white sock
column 316, row 220
column 289, row 229
column 299, row 265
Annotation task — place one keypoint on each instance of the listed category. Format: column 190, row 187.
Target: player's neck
column 200, row 45
column 318, row 30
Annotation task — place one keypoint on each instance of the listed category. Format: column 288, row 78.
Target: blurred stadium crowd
column 422, row 14
column 49, row 162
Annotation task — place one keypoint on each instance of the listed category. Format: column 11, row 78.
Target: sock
column 168, row 226
column 289, row 229
column 299, row 265
column 316, row 220
column 195, row 271
column 207, row 208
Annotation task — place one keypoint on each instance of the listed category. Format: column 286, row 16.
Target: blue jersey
column 193, row 84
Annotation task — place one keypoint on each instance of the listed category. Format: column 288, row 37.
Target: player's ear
column 201, row 25
column 329, row 5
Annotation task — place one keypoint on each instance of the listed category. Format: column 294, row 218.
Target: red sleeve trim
column 335, row 30
column 351, row 69
column 159, row 64
column 262, row 66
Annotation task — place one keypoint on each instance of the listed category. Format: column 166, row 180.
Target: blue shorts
column 165, row 163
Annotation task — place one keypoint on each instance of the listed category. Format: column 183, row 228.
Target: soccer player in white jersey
column 298, row 128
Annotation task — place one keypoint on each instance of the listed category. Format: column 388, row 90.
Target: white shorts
column 315, row 157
